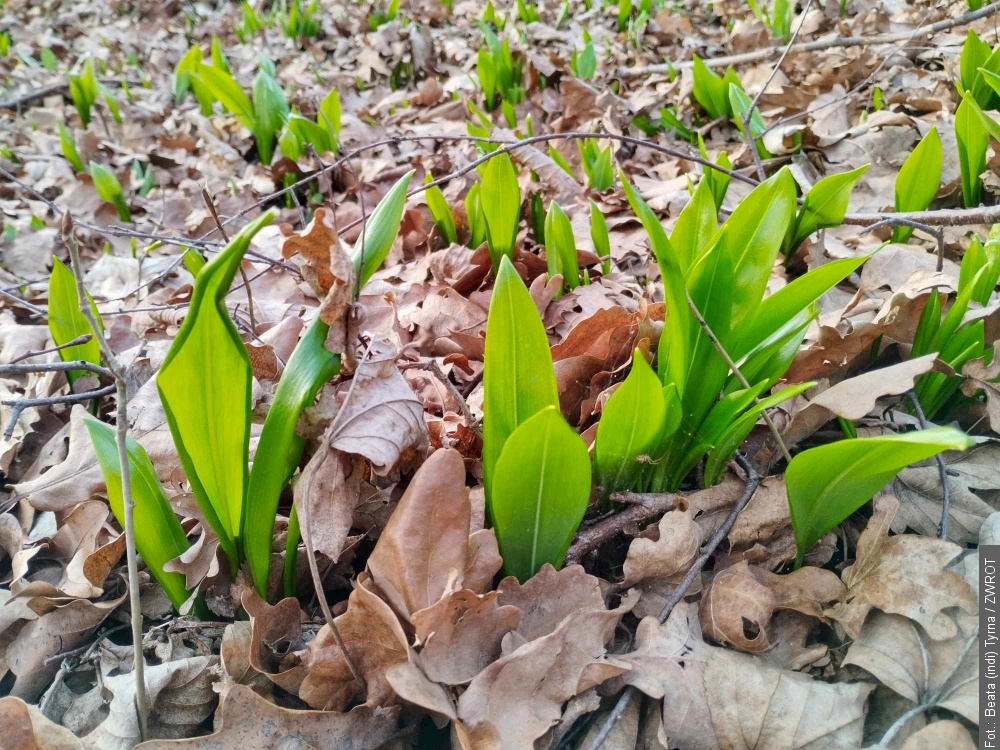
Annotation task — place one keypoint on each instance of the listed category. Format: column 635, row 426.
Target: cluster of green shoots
column 210, row 425
column 979, row 86
column 501, row 74
column 265, row 112
column 297, row 19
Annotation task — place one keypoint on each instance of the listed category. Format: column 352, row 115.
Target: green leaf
column 66, row 322
column 983, row 91
column 68, row 143
column 740, row 104
column 518, row 379
column 487, row 75
column 208, row 408
column 972, row 138
column 718, row 181
column 697, row 224
column 380, row 230
column 827, row 484
column 779, row 308
column 500, row 199
column 602, row 173
column 826, row 204
column 329, row 114
column 270, row 108
column 542, row 488
column 225, row 88
column 600, row 237
column 710, row 90
column 753, row 236
column 307, row 131
column 280, row 448
column 193, row 261
column 630, row 426
column 560, row 247
column 474, row 213
column 441, row 211
column 109, row 189
column 159, row 537
column 975, row 53
column 918, row 180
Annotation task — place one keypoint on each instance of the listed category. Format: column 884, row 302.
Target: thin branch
column 75, row 342
column 736, row 371
column 820, row 44
column 902, row 221
column 644, row 507
column 942, row 469
column 207, row 197
column 79, row 364
column 24, row 303
column 19, row 405
column 630, row 693
column 128, row 503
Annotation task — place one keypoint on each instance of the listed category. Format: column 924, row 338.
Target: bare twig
column 207, row 197
column 75, row 342
column 629, row 695
column 942, row 469
column 820, row 44
column 19, row 405
column 643, row 507
column 902, row 221
column 128, row 504
column 736, row 371
column 24, row 303
column 79, row 364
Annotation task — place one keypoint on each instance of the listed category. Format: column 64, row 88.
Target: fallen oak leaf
column 549, row 597
column 980, row 376
column 249, row 722
column 905, row 575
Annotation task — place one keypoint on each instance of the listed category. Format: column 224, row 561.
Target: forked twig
column 75, row 342
column 19, row 405
column 902, row 221
column 625, row 700
column 128, row 504
column 207, row 197
column 942, row 469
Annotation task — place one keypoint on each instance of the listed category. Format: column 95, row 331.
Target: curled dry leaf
column 249, row 722
column 980, row 376
column 25, row 727
column 740, row 601
column 275, row 631
column 180, row 698
column 426, row 550
column 332, row 486
column 714, row 698
column 655, row 567
column 549, row 597
column 903, row 575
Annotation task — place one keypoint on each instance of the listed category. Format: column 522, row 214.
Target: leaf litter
column 427, row 642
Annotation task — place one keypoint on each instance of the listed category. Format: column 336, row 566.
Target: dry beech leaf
column 25, row 727
column 905, row 575
column 519, row 697
column 425, row 550
column 381, row 417
column 249, row 722
column 375, row 641
column 741, row 600
column 714, row 698
column 180, row 698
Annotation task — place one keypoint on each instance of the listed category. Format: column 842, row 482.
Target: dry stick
column 24, row 303
column 80, row 364
column 207, row 197
column 19, row 405
column 629, row 695
column 128, row 504
column 942, row 469
column 936, row 697
column 896, row 221
column 644, row 507
column 75, row 342
column 821, row 44
column 736, row 371
column 748, row 115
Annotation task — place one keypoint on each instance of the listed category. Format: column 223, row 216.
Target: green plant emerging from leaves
column 110, row 189
column 67, row 323
column 918, row 180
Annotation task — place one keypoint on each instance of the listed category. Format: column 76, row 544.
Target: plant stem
column 121, row 438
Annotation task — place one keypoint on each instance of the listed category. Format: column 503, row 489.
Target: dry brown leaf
column 714, row 698
column 979, row 375
column 248, row 722
column 940, row 734
column 180, row 699
column 549, row 597
column 234, row 660
column 332, row 484
column 25, row 727
column 903, row 575
column 425, row 551
column 275, row 631
column 519, row 697
column 375, row 641
column 740, row 601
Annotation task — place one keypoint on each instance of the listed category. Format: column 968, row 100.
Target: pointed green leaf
column 159, row 537
column 380, row 230
column 518, row 379
column 66, row 322
column 270, row 109
column 441, row 211
column 560, row 247
column 500, row 199
column 630, row 427
column 972, row 139
column 697, row 224
column 918, row 180
column 827, row 484
column 826, row 204
column 541, row 491
column 208, row 407
column 225, row 88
